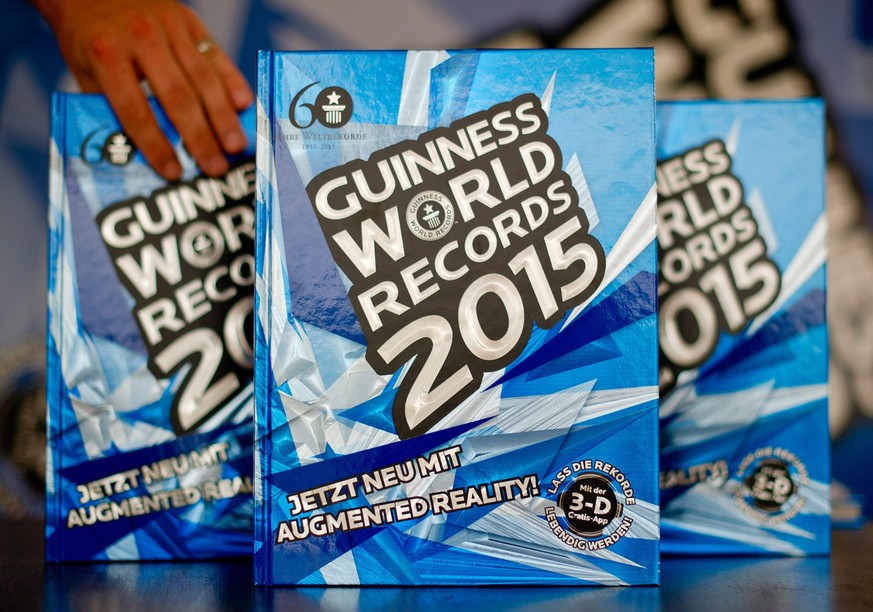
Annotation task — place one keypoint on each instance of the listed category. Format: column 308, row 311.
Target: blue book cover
column 149, row 374
column 455, row 337
column 745, row 448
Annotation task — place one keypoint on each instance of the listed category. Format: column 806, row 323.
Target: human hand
column 110, row 45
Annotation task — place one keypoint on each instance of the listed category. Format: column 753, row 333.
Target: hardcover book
column 456, row 351
column 744, row 354
column 150, row 310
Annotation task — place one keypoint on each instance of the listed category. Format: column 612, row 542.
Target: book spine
column 54, row 327
column 263, row 310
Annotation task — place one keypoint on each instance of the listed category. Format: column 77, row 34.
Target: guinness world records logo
column 430, row 215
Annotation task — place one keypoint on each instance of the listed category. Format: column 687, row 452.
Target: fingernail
column 242, row 98
column 234, row 142
column 216, row 166
column 172, row 171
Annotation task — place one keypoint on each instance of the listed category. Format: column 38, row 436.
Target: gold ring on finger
column 205, row 46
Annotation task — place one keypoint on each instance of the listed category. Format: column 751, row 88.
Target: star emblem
column 333, row 97
column 428, row 209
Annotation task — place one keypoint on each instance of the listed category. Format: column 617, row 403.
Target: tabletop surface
column 842, row 582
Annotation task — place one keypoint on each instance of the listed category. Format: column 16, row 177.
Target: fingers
column 200, row 92
column 116, row 77
column 213, row 94
column 234, row 82
column 86, row 80
column 179, row 98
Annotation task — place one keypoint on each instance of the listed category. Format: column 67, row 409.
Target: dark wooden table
column 842, row 582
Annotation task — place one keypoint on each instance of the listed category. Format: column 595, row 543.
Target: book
column 456, row 352
column 149, row 373
column 745, row 448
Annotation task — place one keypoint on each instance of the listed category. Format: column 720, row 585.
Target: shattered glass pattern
column 106, row 411
column 586, row 388
column 765, row 387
